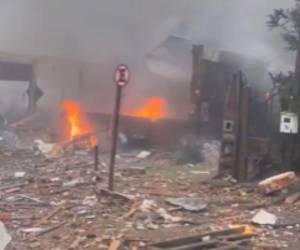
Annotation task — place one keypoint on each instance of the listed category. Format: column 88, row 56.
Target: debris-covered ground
column 62, row 202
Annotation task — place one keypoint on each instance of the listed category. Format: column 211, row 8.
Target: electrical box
column 288, row 123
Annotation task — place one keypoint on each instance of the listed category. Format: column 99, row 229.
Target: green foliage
column 283, row 85
column 276, row 18
column 288, row 20
column 292, row 41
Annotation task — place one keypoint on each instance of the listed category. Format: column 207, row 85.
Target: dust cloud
column 107, row 33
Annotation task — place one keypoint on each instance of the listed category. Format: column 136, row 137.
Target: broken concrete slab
column 190, row 204
column 264, row 218
column 277, row 182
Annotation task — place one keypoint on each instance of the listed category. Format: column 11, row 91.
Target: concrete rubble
column 276, row 183
column 63, row 202
column 264, row 218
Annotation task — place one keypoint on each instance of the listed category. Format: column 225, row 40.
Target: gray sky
column 125, row 30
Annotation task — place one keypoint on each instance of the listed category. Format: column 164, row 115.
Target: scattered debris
column 5, row 238
column 32, row 230
column 134, row 208
column 148, row 205
column 12, row 142
column 292, row 198
column 211, row 153
column 90, row 201
column 75, row 244
column 143, row 154
column 20, row 174
column 277, row 182
column 190, row 204
column 45, row 148
column 114, row 245
column 50, row 229
column 200, row 172
column 264, row 218
column 49, row 150
column 219, row 239
column 169, row 218
column 74, row 182
column 9, row 187
column 133, row 171
column 56, row 204
column 117, row 194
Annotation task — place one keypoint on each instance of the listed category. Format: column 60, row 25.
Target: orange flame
column 247, row 230
column 154, row 109
column 77, row 121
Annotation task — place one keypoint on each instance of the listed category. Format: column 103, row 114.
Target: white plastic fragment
column 32, row 230
column 5, row 238
column 143, row 154
column 20, row 174
column 264, row 218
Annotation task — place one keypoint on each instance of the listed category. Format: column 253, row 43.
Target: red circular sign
column 122, row 75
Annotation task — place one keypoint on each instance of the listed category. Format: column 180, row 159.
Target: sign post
column 121, row 78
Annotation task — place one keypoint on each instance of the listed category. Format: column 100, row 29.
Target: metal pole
column 114, row 143
column 96, row 159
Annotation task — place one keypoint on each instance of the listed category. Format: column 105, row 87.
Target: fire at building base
column 180, row 184
column 202, row 163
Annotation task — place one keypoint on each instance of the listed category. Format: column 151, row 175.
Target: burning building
column 198, row 95
column 213, row 73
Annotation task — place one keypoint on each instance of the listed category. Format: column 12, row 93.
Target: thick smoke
column 109, row 32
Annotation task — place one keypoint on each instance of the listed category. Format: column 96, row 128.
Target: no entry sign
column 122, row 75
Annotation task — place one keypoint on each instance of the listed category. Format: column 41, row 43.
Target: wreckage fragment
column 292, row 198
column 49, row 150
column 264, row 218
column 5, row 238
column 277, row 182
column 190, row 204
column 133, row 171
column 221, row 239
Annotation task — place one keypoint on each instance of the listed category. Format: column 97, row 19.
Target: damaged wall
column 58, row 79
column 85, row 82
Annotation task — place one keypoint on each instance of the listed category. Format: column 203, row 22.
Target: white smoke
column 110, row 32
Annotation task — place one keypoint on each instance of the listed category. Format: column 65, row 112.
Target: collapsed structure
column 214, row 101
column 62, row 186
